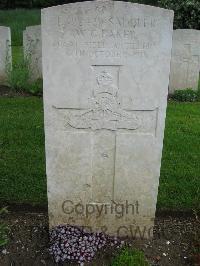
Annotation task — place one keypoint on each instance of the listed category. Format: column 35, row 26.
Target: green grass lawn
column 22, row 160
column 180, row 171
column 22, row 163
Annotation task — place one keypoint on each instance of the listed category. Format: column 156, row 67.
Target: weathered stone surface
column 5, row 53
column 185, row 63
column 33, row 50
column 106, row 74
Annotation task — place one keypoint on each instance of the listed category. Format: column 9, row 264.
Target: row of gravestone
column 32, row 51
column 185, row 62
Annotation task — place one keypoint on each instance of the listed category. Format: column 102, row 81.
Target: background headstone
column 185, row 63
column 106, row 75
column 33, row 50
column 5, row 53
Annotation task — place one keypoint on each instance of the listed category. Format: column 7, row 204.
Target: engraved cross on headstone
column 105, row 118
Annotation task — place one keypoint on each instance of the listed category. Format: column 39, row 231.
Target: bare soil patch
column 6, row 91
column 175, row 242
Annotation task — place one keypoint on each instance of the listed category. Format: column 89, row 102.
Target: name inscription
column 101, row 21
column 104, row 35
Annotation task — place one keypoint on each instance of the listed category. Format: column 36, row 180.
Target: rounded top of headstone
column 117, row 4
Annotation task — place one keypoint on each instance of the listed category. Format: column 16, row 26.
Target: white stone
column 5, row 53
column 185, row 63
column 106, row 75
column 33, row 50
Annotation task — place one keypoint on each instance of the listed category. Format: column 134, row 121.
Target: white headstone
column 33, row 50
column 106, row 74
column 5, row 53
column 185, row 63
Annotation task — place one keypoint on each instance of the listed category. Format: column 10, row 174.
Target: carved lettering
column 102, row 37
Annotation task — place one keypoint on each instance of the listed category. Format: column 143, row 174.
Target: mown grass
column 18, row 20
column 180, row 172
column 22, row 163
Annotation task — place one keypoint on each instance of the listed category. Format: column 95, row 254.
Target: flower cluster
column 75, row 244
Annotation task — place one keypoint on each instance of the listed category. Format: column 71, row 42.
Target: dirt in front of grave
column 175, row 242
column 6, row 91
